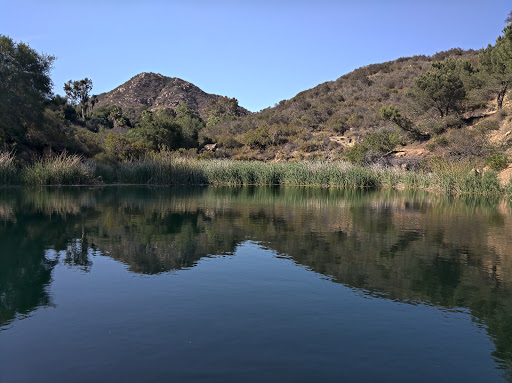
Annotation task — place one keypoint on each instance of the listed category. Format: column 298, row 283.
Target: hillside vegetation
column 411, row 113
column 322, row 122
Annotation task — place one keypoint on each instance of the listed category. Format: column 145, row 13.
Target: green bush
column 258, row 137
column 117, row 148
column 497, row 161
column 374, row 146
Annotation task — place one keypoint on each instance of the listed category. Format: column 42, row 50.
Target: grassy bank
column 8, row 171
column 162, row 169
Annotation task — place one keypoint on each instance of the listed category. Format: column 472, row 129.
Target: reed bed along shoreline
column 160, row 169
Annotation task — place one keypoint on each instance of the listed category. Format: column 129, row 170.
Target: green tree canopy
column 77, row 93
column 157, row 129
column 25, row 87
column 222, row 109
column 117, row 117
column 442, row 87
column 496, row 62
column 391, row 113
column 190, row 124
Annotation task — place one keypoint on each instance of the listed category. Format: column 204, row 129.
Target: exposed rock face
column 155, row 91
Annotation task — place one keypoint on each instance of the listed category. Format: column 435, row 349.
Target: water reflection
column 412, row 247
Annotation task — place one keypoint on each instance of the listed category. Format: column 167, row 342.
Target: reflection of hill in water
column 411, row 247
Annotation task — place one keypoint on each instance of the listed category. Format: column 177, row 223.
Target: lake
column 140, row 284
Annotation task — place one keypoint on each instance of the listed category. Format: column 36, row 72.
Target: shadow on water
column 413, row 247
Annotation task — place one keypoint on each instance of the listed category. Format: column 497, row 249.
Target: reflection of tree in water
column 77, row 252
column 32, row 222
column 413, row 248
column 414, row 256
column 159, row 243
column 25, row 272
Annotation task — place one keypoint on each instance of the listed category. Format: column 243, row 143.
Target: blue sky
column 260, row 52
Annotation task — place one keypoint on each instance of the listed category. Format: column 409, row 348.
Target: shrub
column 258, row 137
column 87, row 142
column 487, row 125
column 437, row 141
column 437, row 126
column 96, row 124
column 466, row 144
column 120, row 148
column 374, row 145
column 497, row 161
column 501, row 114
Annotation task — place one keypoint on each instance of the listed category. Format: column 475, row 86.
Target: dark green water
column 253, row 284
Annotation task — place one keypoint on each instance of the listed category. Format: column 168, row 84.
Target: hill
column 322, row 121
column 375, row 114
column 154, row 91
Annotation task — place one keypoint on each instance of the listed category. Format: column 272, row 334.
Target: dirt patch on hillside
column 505, row 175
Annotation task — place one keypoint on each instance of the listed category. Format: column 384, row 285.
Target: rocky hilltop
column 155, row 91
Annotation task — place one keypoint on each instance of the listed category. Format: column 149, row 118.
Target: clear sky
column 260, row 52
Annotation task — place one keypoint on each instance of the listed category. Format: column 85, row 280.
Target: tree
column 77, row 93
column 508, row 20
column 25, row 87
column 442, row 86
column 375, row 145
column 190, row 124
column 222, row 109
column 496, row 62
column 116, row 115
column 94, row 101
column 158, row 129
column 391, row 113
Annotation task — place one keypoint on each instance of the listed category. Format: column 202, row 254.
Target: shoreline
column 160, row 169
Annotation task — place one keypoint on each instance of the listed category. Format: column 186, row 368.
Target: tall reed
column 8, row 171
column 63, row 169
column 165, row 169
column 462, row 178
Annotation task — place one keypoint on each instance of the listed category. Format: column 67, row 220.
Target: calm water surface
column 253, row 284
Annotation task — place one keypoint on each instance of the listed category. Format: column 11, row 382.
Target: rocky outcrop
column 154, row 91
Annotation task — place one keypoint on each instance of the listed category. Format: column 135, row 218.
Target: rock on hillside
column 154, row 91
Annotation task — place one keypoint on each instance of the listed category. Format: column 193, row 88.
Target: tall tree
column 25, row 87
column 77, row 93
column 190, row 124
column 442, row 86
column 94, row 101
column 496, row 62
